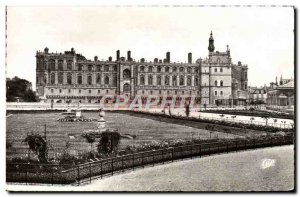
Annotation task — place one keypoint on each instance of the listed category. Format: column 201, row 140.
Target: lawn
column 61, row 133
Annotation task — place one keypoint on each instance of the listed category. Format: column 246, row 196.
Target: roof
column 287, row 85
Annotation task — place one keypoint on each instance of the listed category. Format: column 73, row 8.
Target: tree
column 109, row 141
column 38, row 145
column 90, row 138
column 17, row 87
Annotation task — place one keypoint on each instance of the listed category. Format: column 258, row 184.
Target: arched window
column 90, row 67
column 196, row 81
column 142, row 68
column 52, row 64
column 60, row 64
column 52, row 78
column 181, row 69
column 181, row 80
column 174, row 81
column 196, row 70
column 216, row 83
column 98, row 67
column 167, row 69
column 221, row 69
column 150, row 69
column 79, row 79
column 189, row 69
column 167, row 80
column 189, row 81
column 150, row 80
column 69, row 65
column 89, row 79
column 221, row 83
column 158, row 80
column 159, row 69
column 69, row 78
column 106, row 80
column 45, row 79
column 80, row 67
column 106, row 68
column 174, row 69
column 142, row 80
column 114, row 80
column 98, row 78
column 216, row 70
column 60, row 78
column 115, row 68
column 126, row 74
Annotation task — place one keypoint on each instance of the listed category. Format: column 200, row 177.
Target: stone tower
column 211, row 46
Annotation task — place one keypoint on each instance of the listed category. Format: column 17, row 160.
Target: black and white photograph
column 154, row 98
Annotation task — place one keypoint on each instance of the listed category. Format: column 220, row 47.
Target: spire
column 211, row 46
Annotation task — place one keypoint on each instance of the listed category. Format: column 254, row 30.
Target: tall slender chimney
column 128, row 56
column 118, row 55
column 189, row 58
column 110, row 58
column 96, row 58
column 155, row 60
column 168, row 57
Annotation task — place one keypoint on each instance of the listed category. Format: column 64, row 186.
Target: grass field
column 60, row 133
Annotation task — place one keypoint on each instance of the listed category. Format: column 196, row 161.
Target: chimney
column 110, row 58
column 155, row 60
column 160, row 61
column 165, row 60
column 128, row 56
column 118, row 55
column 96, row 58
column 189, row 58
column 276, row 81
column 168, row 57
column 143, row 60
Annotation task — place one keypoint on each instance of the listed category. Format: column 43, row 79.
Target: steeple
column 211, row 46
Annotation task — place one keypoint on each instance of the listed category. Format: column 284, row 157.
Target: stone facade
column 69, row 76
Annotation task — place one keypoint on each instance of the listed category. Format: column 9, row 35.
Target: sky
column 261, row 37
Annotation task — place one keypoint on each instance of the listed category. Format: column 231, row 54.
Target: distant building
column 70, row 77
column 258, row 95
column 281, row 95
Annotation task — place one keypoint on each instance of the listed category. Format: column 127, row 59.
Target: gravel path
column 269, row 169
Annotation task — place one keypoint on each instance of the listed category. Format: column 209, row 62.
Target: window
column 89, row 79
column 60, row 65
column 98, row 67
column 52, row 64
column 216, row 70
column 90, row 91
column 126, row 74
column 221, row 83
column 69, row 78
column 142, row 68
column 159, row 69
column 181, row 69
column 167, row 69
column 216, row 93
column 175, row 92
column 158, row 80
column 190, row 92
column 143, row 92
column 196, row 70
column 60, row 78
column 79, row 79
column 196, row 81
column 216, row 83
column 59, row 90
column 79, row 91
column 90, row 67
column 99, row 91
column 182, row 92
column 189, row 69
column 52, row 90
column 79, row 67
column 167, row 80
column 159, row 91
column 150, row 80
column 181, row 81
column 189, row 81
column 221, row 93
column 174, row 69
column 151, row 92
column 221, row 70
column 69, row 91
column 106, row 68
column 98, row 78
column 69, row 65
column 174, row 81
column 106, row 81
column 142, row 80
column 150, row 69
column 106, row 91
column 52, row 78
column 168, row 92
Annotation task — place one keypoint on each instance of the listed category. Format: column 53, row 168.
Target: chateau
column 70, row 77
